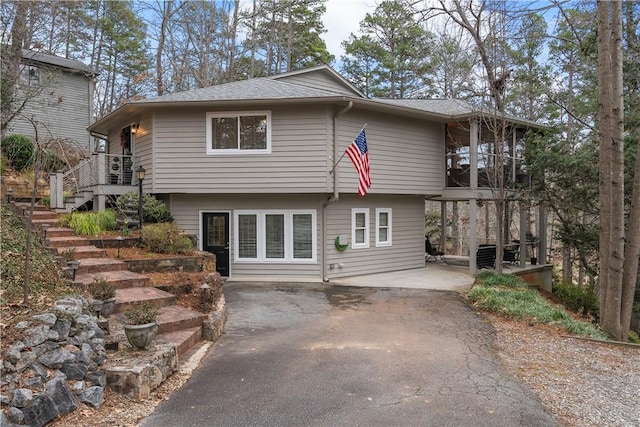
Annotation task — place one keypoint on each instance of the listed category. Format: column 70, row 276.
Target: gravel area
column 582, row 383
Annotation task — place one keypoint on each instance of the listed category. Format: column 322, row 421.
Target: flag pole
column 336, row 165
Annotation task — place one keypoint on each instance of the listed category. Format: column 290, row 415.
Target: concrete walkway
column 435, row 276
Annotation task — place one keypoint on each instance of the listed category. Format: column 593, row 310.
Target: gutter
column 336, row 194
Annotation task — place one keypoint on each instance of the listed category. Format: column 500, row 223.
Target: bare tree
column 618, row 262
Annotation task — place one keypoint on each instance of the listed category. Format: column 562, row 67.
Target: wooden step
column 60, row 232
column 66, row 241
column 119, row 279
column 183, row 339
column 80, row 252
column 174, row 318
column 97, row 265
column 129, row 297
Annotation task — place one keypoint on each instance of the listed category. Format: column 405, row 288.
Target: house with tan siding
column 255, row 170
column 58, row 98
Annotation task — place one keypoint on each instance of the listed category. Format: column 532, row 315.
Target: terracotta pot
column 141, row 336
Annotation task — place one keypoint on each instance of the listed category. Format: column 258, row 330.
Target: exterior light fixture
column 134, row 128
column 74, row 265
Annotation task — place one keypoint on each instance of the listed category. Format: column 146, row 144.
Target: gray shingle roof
column 253, row 89
column 448, row 107
column 45, row 58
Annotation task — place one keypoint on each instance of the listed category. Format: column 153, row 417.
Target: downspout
column 336, row 194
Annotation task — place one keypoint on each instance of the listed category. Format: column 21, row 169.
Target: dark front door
column 215, row 239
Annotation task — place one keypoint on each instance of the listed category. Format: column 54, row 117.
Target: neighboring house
column 248, row 168
column 59, row 98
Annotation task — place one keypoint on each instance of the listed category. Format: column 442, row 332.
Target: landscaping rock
column 41, row 411
column 22, row 397
column 93, row 396
column 56, row 358
column 58, row 390
column 46, row 318
column 15, row 415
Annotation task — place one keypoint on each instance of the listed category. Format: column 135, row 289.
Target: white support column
column 53, row 197
column 102, row 168
column 473, row 233
column 99, row 203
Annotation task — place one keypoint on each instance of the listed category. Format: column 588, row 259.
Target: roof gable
column 323, row 77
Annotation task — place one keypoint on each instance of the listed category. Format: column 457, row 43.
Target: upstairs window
column 239, row 132
column 30, row 75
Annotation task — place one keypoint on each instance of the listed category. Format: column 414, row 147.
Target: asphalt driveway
column 319, row 355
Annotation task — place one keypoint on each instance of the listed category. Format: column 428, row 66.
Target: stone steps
column 174, row 318
column 183, row 339
column 119, row 279
column 177, row 326
column 99, row 265
column 129, row 297
column 60, row 232
column 79, row 252
column 66, row 241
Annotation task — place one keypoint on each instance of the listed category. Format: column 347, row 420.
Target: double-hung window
column 275, row 236
column 359, row 228
column 383, row 226
column 247, row 132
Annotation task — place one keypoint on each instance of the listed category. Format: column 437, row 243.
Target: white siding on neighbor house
column 61, row 107
column 297, row 162
column 406, row 155
column 188, row 208
column 406, row 251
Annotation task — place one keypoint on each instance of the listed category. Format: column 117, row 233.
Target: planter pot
column 534, row 261
column 108, row 307
column 141, row 336
column 97, row 306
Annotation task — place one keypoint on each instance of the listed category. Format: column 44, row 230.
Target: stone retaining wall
column 54, row 366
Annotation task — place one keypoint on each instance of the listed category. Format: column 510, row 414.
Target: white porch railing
column 101, row 169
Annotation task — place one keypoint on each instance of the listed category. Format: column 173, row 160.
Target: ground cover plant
column 510, row 296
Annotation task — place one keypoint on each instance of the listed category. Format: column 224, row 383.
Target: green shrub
column 84, row 223
column 51, row 162
column 153, row 210
column 166, row 238
column 577, row 299
column 142, row 314
column 528, row 305
column 101, row 290
column 90, row 223
column 107, row 220
column 19, row 151
column 489, row 278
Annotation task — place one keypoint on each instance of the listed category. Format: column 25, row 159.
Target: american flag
column 359, row 155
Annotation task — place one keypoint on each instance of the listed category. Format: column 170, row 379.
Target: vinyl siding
column 187, row 209
column 62, row 108
column 406, row 155
column 297, row 164
column 406, row 251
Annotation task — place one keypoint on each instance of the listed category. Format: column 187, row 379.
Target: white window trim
column 238, row 114
column 354, row 212
column 389, row 227
column 288, row 231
